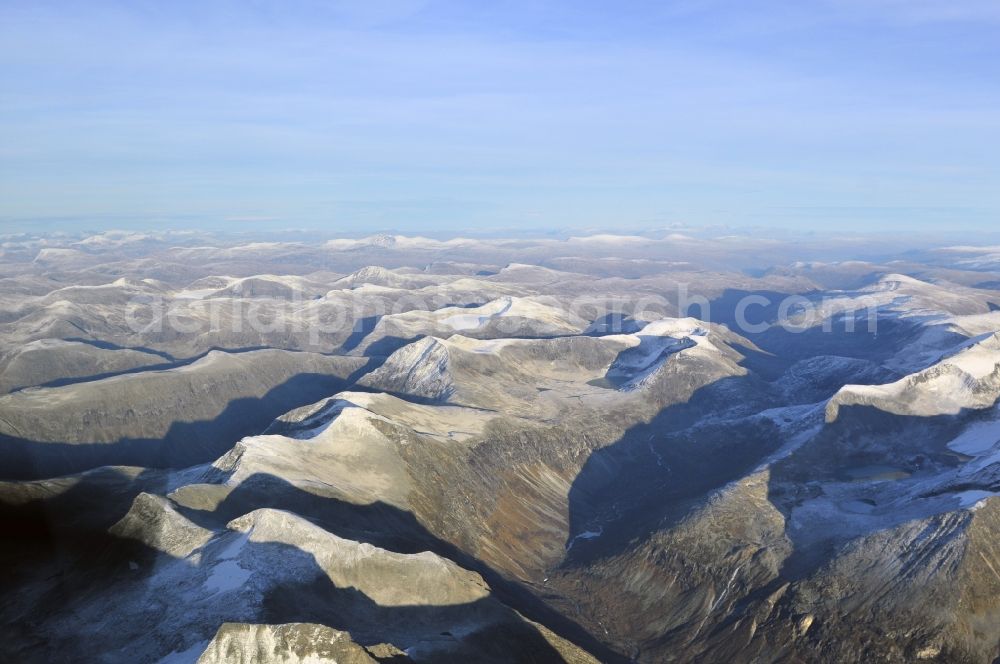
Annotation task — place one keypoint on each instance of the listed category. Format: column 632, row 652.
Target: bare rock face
column 153, row 521
column 294, row 643
column 420, row 370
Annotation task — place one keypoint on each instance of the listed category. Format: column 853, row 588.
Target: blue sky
column 422, row 115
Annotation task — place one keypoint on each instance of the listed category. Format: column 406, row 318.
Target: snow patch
column 977, row 439
column 227, row 576
column 483, row 315
column 973, row 498
column 585, row 535
column 186, row 656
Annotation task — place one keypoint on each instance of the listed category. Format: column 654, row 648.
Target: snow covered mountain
column 410, row 449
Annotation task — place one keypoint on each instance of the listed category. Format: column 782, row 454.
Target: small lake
column 873, row 472
column 612, row 380
column 602, row 382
